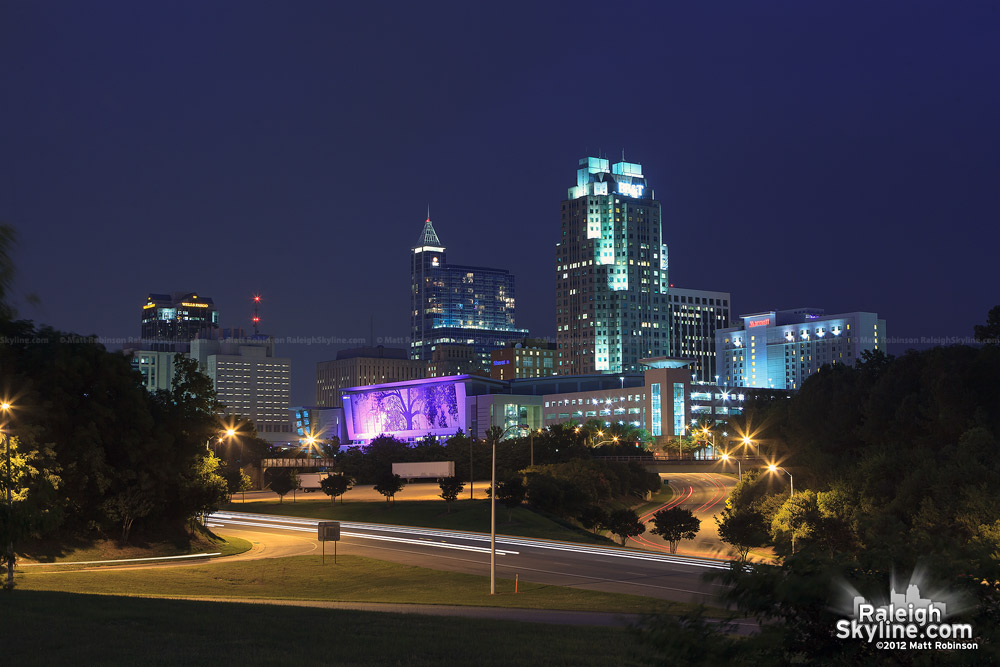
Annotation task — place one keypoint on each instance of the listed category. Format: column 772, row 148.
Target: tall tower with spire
column 426, row 260
column 457, row 305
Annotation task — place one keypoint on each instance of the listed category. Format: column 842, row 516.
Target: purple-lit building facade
column 441, row 407
column 657, row 399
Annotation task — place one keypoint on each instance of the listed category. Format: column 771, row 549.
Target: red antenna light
column 256, row 315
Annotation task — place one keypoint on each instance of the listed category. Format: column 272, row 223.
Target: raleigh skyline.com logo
column 906, row 620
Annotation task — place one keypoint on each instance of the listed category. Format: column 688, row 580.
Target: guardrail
column 298, row 463
column 682, row 461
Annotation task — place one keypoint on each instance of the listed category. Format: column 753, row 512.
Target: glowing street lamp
column 5, row 407
column 726, row 457
column 493, row 512
column 791, row 482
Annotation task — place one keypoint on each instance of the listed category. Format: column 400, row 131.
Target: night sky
column 841, row 155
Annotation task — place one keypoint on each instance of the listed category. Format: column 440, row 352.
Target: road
column 705, row 495
column 611, row 569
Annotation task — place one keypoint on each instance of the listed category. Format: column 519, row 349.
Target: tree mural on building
column 413, row 408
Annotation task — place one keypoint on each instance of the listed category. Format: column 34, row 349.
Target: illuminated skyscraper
column 171, row 321
column 453, row 304
column 611, row 272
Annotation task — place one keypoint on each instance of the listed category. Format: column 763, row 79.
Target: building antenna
column 256, row 313
column 428, row 213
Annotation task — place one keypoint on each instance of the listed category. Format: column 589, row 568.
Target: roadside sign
column 329, row 531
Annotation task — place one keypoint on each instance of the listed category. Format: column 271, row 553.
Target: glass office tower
column 455, row 304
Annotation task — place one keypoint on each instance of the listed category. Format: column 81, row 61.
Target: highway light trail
column 351, row 529
column 384, row 538
column 719, row 492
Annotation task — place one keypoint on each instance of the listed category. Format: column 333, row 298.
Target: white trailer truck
column 425, row 470
column 309, row 481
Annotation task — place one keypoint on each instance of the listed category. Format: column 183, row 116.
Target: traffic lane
column 536, row 561
column 704, row 494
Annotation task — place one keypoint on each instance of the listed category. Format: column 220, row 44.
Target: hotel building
column 781, row 349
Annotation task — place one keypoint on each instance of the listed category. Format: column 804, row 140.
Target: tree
column 125, row 507
column 593, row 518
column 989, row 333
column 675, row 524
column 8, row 237
column 293, row 476
column 389, row 485
column 743, row 530
column 336, row 485
column 625, row 523
column 237, row 480
column 510, row 493
column 282, row 483
column 450, row 488
column 329, row 447
column 798, row 519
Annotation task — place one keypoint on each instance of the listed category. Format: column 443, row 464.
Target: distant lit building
column 694, row 316
column 780, row 349
column 171, row 321
column 527, row 358
column 453, row 304
column 363, row 366
column 249, row 381
column 320, row 423
column 157, row 368
column 610, row 272
column 454, row 360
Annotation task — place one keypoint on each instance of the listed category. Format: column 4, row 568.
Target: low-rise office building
column 363, row 366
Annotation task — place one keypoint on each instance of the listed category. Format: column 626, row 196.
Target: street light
column 5, row 408
column 710, row 436
column 791, row 482
column 531, row 444
column 726, row 457
column 493, row 512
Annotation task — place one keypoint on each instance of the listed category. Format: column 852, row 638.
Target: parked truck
column 309, row 481
column 425, row 470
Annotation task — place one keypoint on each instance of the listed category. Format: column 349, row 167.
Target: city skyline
column 834, row 157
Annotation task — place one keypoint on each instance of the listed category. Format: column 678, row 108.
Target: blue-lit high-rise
column 611, row 272
column 453, row 304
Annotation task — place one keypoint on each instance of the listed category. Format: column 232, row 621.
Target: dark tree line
column 896, row 468
column 100, row 455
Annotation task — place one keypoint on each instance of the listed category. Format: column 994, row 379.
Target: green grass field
column 470, row 515
column 49, row 628
column 352, row 579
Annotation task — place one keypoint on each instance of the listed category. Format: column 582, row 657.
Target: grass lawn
column 352, row 579
column 471, row 515
column 71, row 629
column 176, row 543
